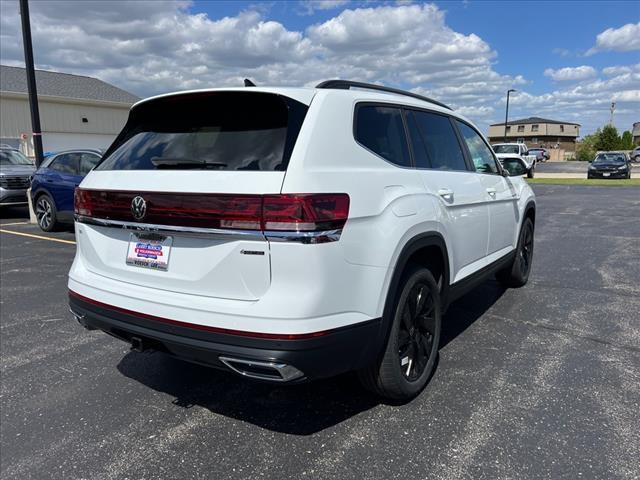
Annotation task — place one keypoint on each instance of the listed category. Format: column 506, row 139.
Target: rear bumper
column 314, row 355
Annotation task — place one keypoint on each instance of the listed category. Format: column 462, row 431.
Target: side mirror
column 514, row 167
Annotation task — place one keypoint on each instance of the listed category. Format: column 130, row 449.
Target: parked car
column 54, row 182
column 15, row 176
column 541, row 154
column 290, row 234
column 509, row 150
column 635, row 154
column 610, row 165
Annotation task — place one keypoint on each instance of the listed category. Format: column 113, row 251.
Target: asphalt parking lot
column 538, row 382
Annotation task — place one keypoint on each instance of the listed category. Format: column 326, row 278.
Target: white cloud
column 623, row 39
column 563, row 52
column 571, row 73
column 621, row 69
column 155, row 47
column 309, row 7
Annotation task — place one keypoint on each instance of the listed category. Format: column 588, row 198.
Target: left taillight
column 82, row 202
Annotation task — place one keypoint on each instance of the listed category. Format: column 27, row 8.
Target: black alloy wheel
column 411, row 351
column 416, row 332
column 526, row 249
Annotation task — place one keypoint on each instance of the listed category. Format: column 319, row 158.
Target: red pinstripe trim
column 226, row 331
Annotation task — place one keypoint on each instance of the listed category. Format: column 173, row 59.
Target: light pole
column 31, row 81
column 506, row 115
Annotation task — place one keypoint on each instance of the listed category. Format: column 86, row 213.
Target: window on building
column 562, row 128
column 508, row 129
column 534, row 128
column 520, row 128
column 534, row 140
column 381, row 130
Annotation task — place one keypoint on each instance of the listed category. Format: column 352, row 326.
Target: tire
column 46, row 213
column 517, row 273
column 530, row 173
column 412, row 347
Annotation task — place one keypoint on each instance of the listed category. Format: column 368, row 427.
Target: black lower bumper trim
column 334, row 352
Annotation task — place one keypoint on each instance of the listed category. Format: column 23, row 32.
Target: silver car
column 16, row 171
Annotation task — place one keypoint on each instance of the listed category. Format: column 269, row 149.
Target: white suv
column 291, row 234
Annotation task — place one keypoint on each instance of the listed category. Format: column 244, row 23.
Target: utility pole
column 506, row 115
column 31, row 80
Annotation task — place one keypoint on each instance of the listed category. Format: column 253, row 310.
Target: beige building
column 75, row 111
column 635, row 133
column 537, row 132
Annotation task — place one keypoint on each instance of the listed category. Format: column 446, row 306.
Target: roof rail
column 347, row 84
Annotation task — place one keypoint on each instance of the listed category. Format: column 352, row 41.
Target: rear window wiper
column 175, row 162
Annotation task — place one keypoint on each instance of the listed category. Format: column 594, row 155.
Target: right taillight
column 305, row 212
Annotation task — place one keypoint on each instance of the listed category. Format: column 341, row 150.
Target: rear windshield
column 506, row 149
column 212, row 131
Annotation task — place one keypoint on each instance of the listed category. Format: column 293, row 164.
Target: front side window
column 381, row 130
column 66, row 163
column 439, row 140
column 481, row 155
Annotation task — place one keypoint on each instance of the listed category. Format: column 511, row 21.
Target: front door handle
column 446, row 193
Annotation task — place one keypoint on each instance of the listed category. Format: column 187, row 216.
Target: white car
column 516, row 150
column 290, row 234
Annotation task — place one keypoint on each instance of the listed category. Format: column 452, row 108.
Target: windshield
column 609, row 158
column 13, row 157
column 506, row 149
column 215, row 131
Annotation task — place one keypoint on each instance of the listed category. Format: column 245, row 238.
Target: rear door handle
column 491, row 191
column 446, row 193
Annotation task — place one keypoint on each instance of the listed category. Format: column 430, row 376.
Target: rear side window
column 213, row 131
column 87, row 162
column 66, row 163
column 439, row 140
column 381, row 130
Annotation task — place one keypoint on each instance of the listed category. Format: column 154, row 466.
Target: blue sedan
column 54, row 182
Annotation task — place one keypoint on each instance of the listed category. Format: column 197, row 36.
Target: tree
column 608, row 139
column 586, row 150
column 627, row 141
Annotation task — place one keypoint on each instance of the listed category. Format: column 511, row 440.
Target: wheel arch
column 428, row 249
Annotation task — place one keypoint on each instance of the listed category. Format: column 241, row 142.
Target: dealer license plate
column 149, row 251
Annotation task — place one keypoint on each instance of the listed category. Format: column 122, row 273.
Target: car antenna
column 248, row 83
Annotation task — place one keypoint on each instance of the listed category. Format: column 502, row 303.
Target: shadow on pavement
column 296, row 409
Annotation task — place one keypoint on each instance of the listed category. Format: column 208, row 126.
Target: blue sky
column 568, row 60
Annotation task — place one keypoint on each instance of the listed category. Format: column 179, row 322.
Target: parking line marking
column 14, row 223
column 40, row 237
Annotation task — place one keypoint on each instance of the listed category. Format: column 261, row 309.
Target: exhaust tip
column 270, row 371
column 80, row 319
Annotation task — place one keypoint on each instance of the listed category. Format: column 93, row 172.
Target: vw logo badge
column 138, row 207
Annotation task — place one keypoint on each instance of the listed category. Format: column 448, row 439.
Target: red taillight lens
column 294, row 213
column 82, row 202
column 305, row 213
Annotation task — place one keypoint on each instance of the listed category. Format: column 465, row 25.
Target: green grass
column 585, row 181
